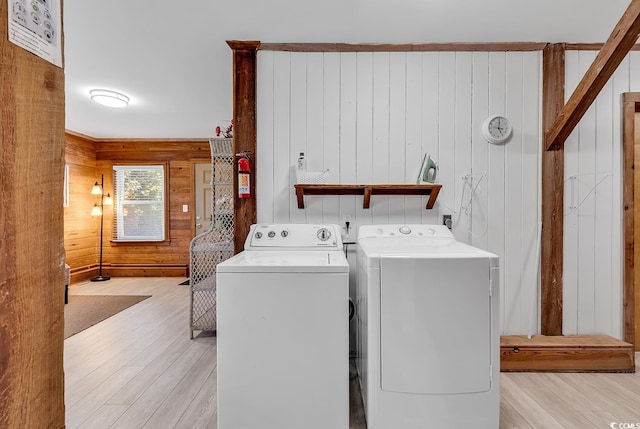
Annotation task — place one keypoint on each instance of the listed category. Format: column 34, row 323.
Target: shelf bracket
column 366, row 202
column 432, row 198
column 300, row 197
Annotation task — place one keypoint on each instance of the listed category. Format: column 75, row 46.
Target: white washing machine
column 283, row 330
column 427, row 337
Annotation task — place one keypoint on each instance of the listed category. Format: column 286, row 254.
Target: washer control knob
column 258, row 235
column 284, row 233
column 323, row 234
column 404, row 229
column 271, row 234
column 431, row 231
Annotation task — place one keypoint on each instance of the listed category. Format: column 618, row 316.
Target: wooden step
column 571, row 353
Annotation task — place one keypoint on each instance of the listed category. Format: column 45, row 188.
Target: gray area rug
column 84, row 311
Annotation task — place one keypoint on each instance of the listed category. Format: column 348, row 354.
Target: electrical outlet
column 347, row 225
column 446, row 221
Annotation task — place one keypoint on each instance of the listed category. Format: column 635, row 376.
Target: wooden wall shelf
column 430, row 189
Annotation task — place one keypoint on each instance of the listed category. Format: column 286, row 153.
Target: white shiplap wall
column 593, row 257
column 370, row 118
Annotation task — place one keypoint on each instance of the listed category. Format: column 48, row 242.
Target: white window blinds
column 139, row 198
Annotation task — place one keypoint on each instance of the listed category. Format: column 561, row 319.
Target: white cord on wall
column 466, row 202
column 573, row 207
column 467, row 182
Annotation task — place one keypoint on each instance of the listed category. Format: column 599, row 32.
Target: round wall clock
column 497, row 129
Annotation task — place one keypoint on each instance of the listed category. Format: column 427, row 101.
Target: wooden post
column 244, row 133
column 31, row 238
column 631, row 102
column 553, row 65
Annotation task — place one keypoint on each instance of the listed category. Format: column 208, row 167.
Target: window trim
column 167, row 204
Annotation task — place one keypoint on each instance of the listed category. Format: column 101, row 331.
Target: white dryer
column 283, row 330
column 427, row 339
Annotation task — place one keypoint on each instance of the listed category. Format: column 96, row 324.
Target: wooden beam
column 592, row 47
column 622, row 39
column 32, row 274
column 244, row 133
column 631, row 101
column 552, row 195
column 403, row 47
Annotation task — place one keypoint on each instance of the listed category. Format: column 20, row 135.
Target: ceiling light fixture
column 109, row 98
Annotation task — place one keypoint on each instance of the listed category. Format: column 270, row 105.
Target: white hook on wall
column 574, row 206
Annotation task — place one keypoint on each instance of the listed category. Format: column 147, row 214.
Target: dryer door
column 435, row 324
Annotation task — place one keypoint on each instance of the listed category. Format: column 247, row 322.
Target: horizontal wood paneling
column 93, row 158
column 180, row 181
column 78, row 149
column 81, row 230
column 369, row 117
column 152, row 150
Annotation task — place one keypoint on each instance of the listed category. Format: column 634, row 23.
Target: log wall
column 81, row 230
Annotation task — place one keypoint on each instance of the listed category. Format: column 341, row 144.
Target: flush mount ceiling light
column 109, row 98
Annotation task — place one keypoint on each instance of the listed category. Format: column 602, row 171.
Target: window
column 139, row 197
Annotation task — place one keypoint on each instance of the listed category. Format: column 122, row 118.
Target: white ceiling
column 171, row 59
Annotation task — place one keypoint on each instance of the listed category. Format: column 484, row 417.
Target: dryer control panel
column 400, row 231
column 293, row 237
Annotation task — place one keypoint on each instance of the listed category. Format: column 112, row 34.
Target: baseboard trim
column 80, row 274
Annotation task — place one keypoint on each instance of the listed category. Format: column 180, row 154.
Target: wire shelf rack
column 215, row 245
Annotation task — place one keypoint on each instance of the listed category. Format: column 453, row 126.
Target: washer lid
column 285, row 262
column 410, row 247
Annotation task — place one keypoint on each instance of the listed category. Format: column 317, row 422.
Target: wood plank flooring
column 139, row 369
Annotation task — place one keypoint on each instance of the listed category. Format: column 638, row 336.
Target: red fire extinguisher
column 244, row 175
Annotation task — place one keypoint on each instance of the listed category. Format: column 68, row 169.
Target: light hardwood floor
column 139, row 369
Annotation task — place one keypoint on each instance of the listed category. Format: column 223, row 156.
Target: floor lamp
column 98, row 210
